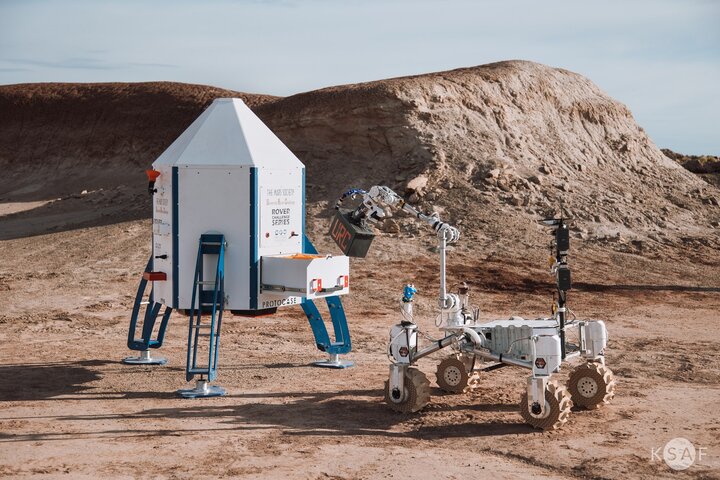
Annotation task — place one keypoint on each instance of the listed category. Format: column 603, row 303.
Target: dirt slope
column 58, row 140
column 517, row 139
column 493, row 146
column 706, row 167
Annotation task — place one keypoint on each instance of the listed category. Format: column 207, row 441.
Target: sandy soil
column 491, row 149
column 71, row 410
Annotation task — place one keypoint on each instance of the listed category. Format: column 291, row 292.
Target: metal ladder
column 206, row 303
column 152, row 311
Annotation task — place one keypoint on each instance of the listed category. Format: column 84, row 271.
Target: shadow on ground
column 348, row 412
column 60, row 381
column 44, row 381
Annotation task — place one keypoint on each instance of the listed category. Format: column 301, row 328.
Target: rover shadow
column 345, row 413
column 283, row 365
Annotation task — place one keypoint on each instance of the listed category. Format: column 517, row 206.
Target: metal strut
column 342, row 343
column 150, row 316
column 206, row 301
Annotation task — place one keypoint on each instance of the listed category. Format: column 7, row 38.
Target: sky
column 659, row 57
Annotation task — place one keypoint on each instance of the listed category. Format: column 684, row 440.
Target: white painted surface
column 214, row 200
column 299, row 272
column 162, row 234
column 228, row 133
column 214, row 158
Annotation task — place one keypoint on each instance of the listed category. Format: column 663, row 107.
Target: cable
column 405, row 314
column 514, row 342
column 389, row 350
column 350, row 193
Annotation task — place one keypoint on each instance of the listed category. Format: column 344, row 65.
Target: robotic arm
column 375, row 202
column 373, row 208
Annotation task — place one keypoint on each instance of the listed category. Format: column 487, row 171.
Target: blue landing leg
column 152, row 311
column 342, row 344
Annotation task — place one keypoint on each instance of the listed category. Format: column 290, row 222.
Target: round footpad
column 145, row 359
column 334, row 361
column 202, row 390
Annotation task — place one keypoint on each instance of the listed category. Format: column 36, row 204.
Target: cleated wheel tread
column 455, row 375
column 591, row 385
column 417, row 392
column 557, row 403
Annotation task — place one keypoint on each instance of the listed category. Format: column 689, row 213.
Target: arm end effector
column 351, row 229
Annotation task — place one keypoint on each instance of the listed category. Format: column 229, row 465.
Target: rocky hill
column 496, row 147
column 706, row 167
column 58, row 140
column 490, row 147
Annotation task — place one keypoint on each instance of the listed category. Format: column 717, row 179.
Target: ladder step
column 210, row 297
column 144, row 303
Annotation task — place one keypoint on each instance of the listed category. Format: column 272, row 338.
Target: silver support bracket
column 145, row 358
column 334, row 361
column 202, row 390
column 396, row 383
column 536, row 387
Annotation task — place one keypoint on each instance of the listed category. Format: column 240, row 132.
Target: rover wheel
column 454, row 374
column 557, row 408
column 417, row 392
column 591, row 385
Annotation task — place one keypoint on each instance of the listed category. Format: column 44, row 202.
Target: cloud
column 85, row 63
column 660, row 57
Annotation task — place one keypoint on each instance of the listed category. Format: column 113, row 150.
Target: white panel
column 280, row 214
column 215, row 200
column 266, row 149
column 173, row 152
column 228, row 133
column 162, row 235
column 281, row 211
column 218, row 141
column 297, row 272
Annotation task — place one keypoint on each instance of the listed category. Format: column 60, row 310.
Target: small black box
column 352, row 239
column 562, row 238
column 563, row 278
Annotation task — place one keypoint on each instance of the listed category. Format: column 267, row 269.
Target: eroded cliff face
column 492, row 148
column 58, row 132
column 497, row 143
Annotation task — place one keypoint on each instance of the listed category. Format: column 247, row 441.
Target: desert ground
column 71, row 409
column 75, row 236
